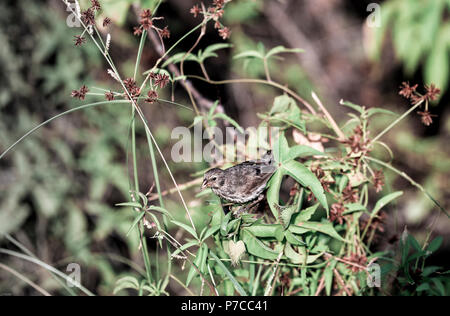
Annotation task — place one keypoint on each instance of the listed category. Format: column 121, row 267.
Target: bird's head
column 213, row 179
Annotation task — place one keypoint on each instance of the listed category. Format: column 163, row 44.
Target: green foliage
column 421, row 37
column 316, row 239
column 413, row 277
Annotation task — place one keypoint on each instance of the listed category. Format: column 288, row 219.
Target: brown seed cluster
column 214, row 12
column 146, row 23
column 81, row 93
column 431, row 94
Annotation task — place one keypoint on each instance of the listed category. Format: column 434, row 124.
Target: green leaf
column 210, row 51
column 435, row 244
column 300, row 151
column 188, row 228
column 130, row 204
column 224, row 224
column 274, row 191
column 281, row 148
column 324, row 227
column 256, row 247
column 286, row 214
column 437, row 64
column 281, row 104
column 212, row 109
column 307, row 179
column 353, row 106
column 225, row 117
column 328, row 274
column 160, row 210
column 177, row 58
column 266, row 231
column 236, row 284
column 135, row 222
column 440, row 287
column 423, row 287
column 293, row 239
column 211, row 231
column 343, row 183
column 374, row 111
column 354, row 207
column 249, row 54
column 282, row 49
column 184, row 247
column 305, row 215
column 126, row 283
column 385, row 200
column 197, row 262
column 297, row 258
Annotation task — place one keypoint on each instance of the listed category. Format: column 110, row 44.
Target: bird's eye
column 214, row 178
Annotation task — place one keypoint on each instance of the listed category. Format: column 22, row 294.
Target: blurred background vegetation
column 58, row 188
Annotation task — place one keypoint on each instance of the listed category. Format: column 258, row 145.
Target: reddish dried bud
column 95, row 5
column 109, row 96
column 146, row 14
column 79, row 40
column 432, row 92
column 80, row 94
column 146, row 24
column 406, row 90
column 378, row 180
column 336, row 211
column 359, row 260
column 137, row 30
column 225, row 32
column 350, row 195
column 219, row 3
column 195, row 10
column 426, row 117
column 152, row 97
column 161, row 80
column 106, row 22
column 88, row 17
column 164, row 33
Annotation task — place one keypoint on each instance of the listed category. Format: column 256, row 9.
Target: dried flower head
column 146, row 23
column 130, row 85
column 406, row 90
column 195, row 10
column 95, row 5
column 161, row 80
column 225, row 32
column 106, row 22
column 152, row 97
column 146, row 14
column 109, row 96
column 426, row 117
column 360, row 262
column 336, row 213
column 137, row 30
column 164, row 33
column 356, row 141
column 81, row 93
column 88, row 17
column 432, row 92
column 350, row 195
column 79, row 40
column 378, row 180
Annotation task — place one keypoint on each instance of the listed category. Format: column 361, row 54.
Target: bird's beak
column 204, row 184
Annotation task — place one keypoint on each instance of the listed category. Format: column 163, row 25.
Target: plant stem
column 414, row 183
column 387, row 129
column 261, row 81
column 58, row 116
